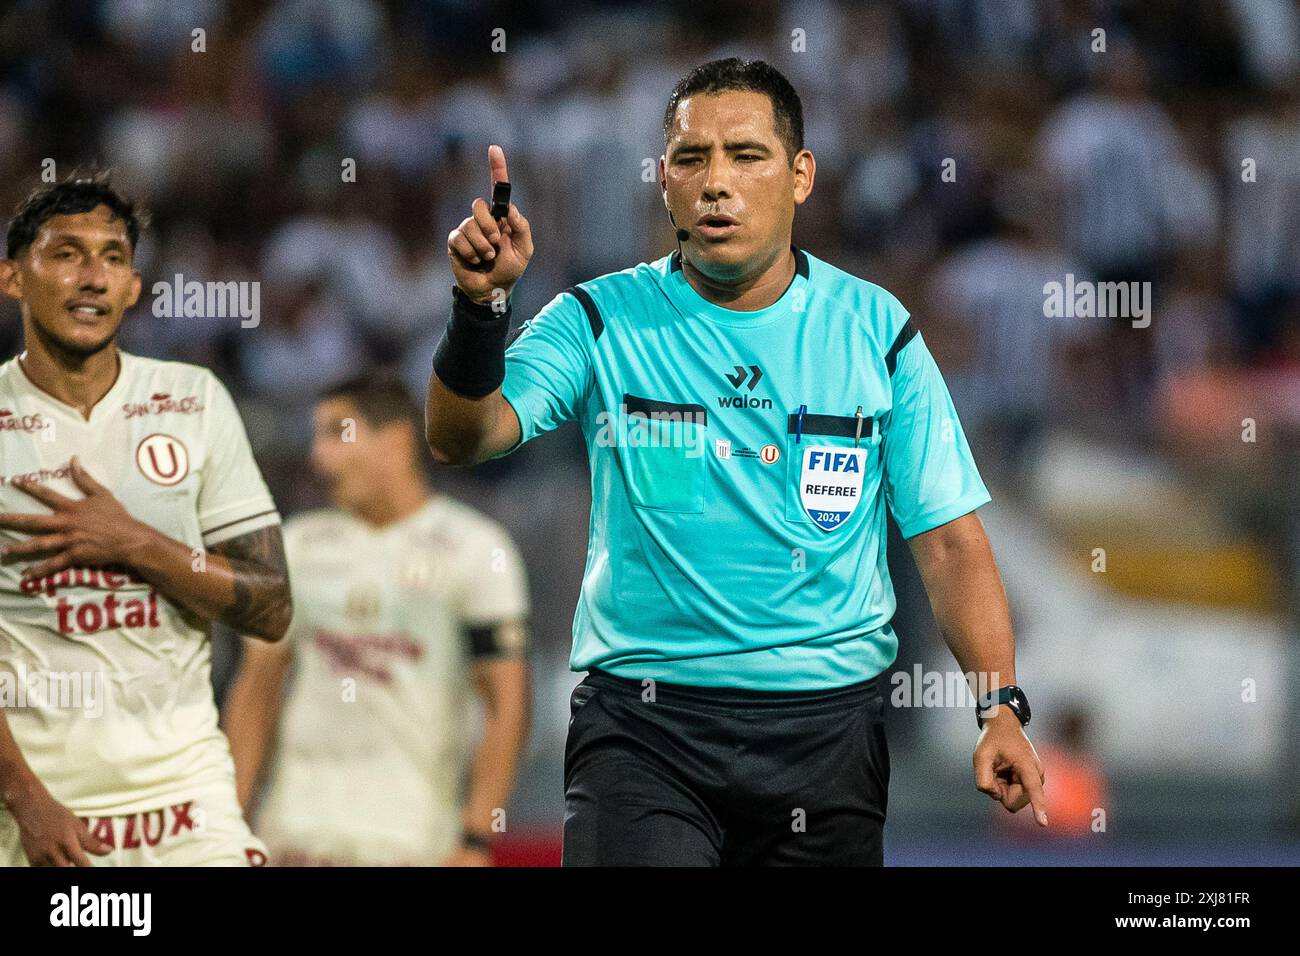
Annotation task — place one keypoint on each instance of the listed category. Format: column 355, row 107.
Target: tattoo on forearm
column 260, row 605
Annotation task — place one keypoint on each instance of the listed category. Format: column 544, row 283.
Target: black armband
column 471, row 357
column 501, row 639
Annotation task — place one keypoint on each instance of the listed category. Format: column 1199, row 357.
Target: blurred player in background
column 406, row 603
column 116, row 472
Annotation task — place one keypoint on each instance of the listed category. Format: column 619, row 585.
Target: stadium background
column 1163, row 686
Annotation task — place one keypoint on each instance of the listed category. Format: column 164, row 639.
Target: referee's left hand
column 1007, row 768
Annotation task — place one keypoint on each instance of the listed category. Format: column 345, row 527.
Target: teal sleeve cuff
column 929, row 520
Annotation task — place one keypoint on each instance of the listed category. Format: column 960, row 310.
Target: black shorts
column 723, row 777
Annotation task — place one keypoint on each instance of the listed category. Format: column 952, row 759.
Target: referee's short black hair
column 80, row 191
column 718, row 76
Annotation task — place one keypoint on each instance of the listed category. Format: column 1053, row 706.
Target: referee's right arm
column 466, row 419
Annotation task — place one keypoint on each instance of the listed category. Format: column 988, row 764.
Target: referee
column 749, row 413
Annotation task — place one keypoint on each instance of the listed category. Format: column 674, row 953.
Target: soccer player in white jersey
column 406, row 603
column 131, row 516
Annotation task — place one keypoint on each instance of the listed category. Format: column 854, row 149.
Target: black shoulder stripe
column 905, row 335
column 589, row 305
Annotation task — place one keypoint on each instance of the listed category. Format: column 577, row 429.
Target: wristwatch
column 1012, row 696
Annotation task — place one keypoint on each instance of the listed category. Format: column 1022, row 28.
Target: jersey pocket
column 663, row 453
column 828, row 468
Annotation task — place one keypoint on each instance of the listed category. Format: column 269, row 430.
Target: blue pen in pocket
column 798, row 426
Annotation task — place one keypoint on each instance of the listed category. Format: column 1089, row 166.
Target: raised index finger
column 497, row 163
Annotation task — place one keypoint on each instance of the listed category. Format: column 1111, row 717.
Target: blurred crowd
column 969, row 151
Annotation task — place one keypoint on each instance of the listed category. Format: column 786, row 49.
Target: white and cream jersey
column 105, row 682
column 377, row 723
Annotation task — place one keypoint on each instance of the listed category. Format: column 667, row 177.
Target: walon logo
column 737, row 379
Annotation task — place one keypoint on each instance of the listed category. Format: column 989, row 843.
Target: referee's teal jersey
column 741, row 464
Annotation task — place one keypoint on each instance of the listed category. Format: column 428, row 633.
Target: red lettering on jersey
column 162, row 402
column 110, row 610
column 153, row 838
column 181, row 817
column 114, row 579
column 134, row 613
column 26, row 423
column 104, row 832
column 111, row 577
column 367, row 654
column 64, row 609
column 158, row 469
column 89, row 617
column 130, row 841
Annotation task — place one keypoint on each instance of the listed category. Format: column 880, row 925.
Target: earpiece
column 682, row 234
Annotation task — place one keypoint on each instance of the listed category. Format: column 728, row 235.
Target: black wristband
column 474, row 841
column 471, row 356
